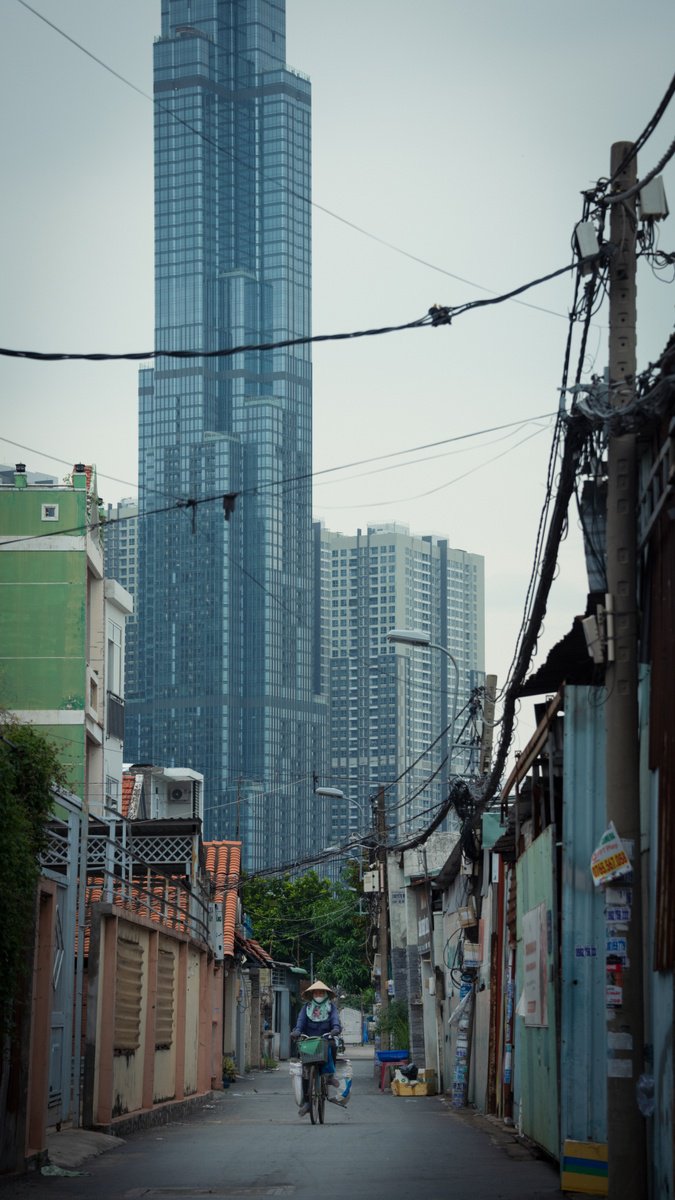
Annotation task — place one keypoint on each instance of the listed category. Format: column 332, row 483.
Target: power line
column 513, row 428
column 619, row 197
column 219, row 496
column 311, row 474
column 646, row 132
column 68, row 462
column 268, row 179
column 185, row 355
column 438, row 314
column 441, row 486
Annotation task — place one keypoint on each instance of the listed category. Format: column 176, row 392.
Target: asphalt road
column 249, row 1142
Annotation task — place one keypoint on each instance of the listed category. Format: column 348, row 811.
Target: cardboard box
column 425, row 1085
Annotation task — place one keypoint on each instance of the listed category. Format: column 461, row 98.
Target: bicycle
column 316, row 1082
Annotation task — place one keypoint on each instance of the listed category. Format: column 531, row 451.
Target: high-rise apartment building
column 225, row 589
column 388, row 703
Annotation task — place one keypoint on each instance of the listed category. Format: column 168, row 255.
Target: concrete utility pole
column 383, row 924
column 625, row 1027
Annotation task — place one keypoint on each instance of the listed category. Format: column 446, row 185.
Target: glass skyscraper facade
column 225, row 598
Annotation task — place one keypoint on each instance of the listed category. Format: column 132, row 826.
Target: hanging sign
column 610, row 860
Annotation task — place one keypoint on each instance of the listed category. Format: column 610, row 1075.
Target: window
column 50, row 512
column 114, row 681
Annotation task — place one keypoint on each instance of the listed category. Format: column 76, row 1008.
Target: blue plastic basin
column 392, row 1055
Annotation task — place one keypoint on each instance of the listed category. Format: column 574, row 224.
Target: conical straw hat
column 318, row 986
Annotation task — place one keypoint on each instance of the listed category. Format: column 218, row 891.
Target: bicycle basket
column 314, row 1050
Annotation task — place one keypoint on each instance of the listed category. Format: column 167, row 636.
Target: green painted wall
column 21, row 511
column 68, row 741
column 43, row 635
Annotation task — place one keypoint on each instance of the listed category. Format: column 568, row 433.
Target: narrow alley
column 249, row 1142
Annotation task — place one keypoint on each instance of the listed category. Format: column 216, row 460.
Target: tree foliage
column 309, row 919
column 29, row 765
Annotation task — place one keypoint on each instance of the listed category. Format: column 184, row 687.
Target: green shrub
column 29, row 765
column 392, row 1022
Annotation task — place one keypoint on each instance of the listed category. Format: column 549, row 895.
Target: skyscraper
column 388, row 704
column 225, row 596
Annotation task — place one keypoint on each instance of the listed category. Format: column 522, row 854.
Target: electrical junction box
column 371, row 881
column 216, row 930
column 472, row 954
column 653, row 203
column 466, row 914
column 586, row 242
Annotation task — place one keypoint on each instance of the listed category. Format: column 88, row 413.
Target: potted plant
column 394, row 1023
column 229, row 1070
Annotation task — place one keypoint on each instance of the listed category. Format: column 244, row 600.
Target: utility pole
column 625, row 1026
column 383, row 925
column 487, row 733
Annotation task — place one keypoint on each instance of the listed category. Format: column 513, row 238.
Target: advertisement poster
column 610, row 860
column 535, row 990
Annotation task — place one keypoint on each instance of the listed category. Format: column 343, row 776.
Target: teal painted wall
column 537, row 1046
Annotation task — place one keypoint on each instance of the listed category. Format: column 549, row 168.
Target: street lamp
column 422, row 639
column 333, row 793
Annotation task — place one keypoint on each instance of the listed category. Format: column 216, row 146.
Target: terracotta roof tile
column 261, row 953
column 223, row 863
column 167, row 906
column 253, row 951
column 128, row 784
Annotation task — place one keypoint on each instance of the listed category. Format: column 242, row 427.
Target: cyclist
column 318, row 1016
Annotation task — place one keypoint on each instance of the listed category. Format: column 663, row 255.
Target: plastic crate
column 314, row 1050
column 385, row 1056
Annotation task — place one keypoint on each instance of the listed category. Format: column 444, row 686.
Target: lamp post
column 421, row 639
column 334, row 793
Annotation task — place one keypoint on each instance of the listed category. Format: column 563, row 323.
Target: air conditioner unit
column 179, row 793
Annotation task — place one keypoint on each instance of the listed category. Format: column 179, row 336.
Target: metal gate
column 61, row 862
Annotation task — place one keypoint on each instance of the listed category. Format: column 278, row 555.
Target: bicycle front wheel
column 321, row 1094
column 313, row 1088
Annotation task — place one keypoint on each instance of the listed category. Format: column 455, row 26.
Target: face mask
column 320, row 997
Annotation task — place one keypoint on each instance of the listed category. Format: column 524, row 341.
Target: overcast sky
column 461, row 132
